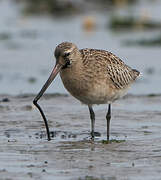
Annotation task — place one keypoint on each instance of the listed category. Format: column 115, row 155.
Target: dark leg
column 92, row 116
column 108, row 117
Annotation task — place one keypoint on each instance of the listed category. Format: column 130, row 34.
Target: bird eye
column 66, row 54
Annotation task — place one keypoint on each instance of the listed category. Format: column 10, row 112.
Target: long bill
column 52, row 76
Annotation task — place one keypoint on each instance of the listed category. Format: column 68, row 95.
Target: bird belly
column 90, row 91
column 102, row 95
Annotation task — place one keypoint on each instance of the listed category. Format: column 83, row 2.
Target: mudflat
column 133, row 154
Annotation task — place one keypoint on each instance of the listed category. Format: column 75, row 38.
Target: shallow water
column 25, row 151
column 27, row 44
column 26, row 59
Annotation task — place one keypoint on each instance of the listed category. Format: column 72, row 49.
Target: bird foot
column 95, row 134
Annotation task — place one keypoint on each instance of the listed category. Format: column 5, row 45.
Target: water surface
column 27, row 44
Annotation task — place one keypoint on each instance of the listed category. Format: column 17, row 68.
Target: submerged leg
column 92, row 116
column 108, row 117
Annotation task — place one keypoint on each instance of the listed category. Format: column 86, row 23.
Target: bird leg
column 108, row 117
column 92, row 116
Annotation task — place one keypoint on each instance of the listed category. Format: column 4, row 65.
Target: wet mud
column 134, row 152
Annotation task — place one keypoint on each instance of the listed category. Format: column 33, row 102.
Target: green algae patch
column 5, row 36
column 91, row 178
column 147, row 132
column 133, row 23
column 112, row 141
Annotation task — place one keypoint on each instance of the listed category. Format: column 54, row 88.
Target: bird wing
column 118, row 72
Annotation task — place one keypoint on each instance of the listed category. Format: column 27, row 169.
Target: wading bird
column 92, row 76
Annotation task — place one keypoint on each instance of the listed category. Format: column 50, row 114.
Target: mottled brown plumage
column 92, row 76
column 95, row 76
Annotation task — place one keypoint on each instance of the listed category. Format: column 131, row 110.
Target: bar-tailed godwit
column 92, row 76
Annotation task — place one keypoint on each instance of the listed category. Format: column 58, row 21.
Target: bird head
column 65, row 56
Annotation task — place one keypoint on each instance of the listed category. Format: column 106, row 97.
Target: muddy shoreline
column 26, row 153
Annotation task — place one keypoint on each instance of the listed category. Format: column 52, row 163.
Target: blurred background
column 30, row 31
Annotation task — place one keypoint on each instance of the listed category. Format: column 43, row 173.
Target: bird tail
column 137, row 73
